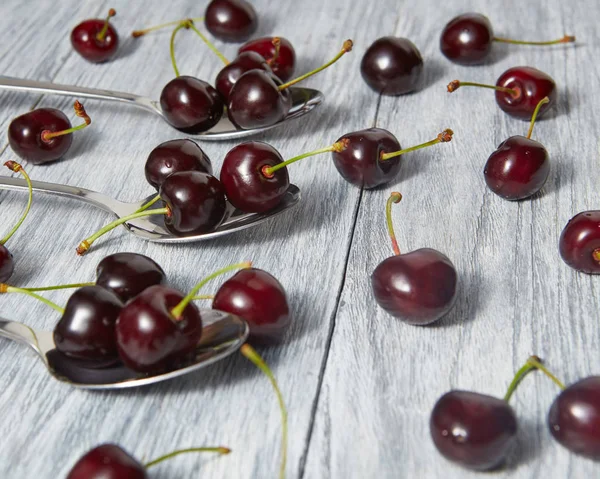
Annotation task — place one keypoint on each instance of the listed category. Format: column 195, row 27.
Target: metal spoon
column 222, row 335
column 152, row 228
column 304, row 100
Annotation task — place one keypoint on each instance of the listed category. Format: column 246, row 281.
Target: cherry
column 230, row 20
column 86, row 330
column 519, row 167
column 392, row 66
column 417, row 287
column 579, row 243
column 232, row 72
column 96, row 40
column 518, row 91
column 277, row 51
column 372, row 156
column 44, row 134
column 128, row 274
column 259, row 99
column 258, row 298
column 175, row 156
column 467, row 39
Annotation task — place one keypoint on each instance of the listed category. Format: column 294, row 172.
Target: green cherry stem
column 184, row 24
column 85, row 245
column 565, row 39
column 203, row 296
column 543, row 101
column 345, row 49
column 147, row 205
column 456, row 84
column 111, row 13
column 47, row 135
column 219, row 450
column 249, row 353
column 139, row 33
column 537, row 362
column 5, row 288
column 16, row 167
column 209, row 44
column 277, row 44
column 58, row 286
column 337, row 146
column 177, row 311
column 519, row 375
column 395, row 197
column 444, row 137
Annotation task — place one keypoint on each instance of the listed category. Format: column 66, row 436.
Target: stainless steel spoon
column 304, row 100
column 222, row 335
column 152, row 228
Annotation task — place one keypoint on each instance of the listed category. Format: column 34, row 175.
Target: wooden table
column 359, row 385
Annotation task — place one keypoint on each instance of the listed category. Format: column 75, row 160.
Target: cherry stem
column 250, row 354
column 395, row 197
column 596, row 255
column 455, row 84
column 47, row 135
column 139, row 33
column 543, row 101
column 16, row 167
column 537, row 362
column 172, row 46
column 444, row 137
column 177, row 311
column 220, row 450
column 203, row 296
column 519, row 375
column 338, row 146
column 111, row 13
column 59, row 286
column 85, row 245
column 209, row 44
column 147, row 205
column 5, row 288
column 345, row 49
column 565, row 39
column 277, row 44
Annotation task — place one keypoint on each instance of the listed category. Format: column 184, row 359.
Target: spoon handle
column 20, row 333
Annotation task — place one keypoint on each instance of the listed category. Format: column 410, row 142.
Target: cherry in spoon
column 278, row 53
column 230, row 20
column 467, row 39
column 96, row 40
column 579, row 242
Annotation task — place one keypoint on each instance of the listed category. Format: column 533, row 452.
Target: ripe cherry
column 518, row 91
column 230, row 20
column 417, row 287
column 372, row 157
column 44, row 134
column 519, row 167
column 277, row 51
column 258, row 298
column 579, row 243
column 96, row 40
column 392, row 66
column 467, row 39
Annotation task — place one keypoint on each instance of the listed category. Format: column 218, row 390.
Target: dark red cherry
column 467, row 39
column 128, row 274
column 232, row 72
column 579, row 243
column 531, row 86
column 191, row 105
column 472, row 429
column 246, row 186
column 258, row 298
column 392, row 66
column 175, row 156
column 149, row 337
column 7, row 264
column 574, row 417
column 196, row 201
column 107, row 461
column 86, row 330
column 281, row 59
column 96, row 40
column 230, row 20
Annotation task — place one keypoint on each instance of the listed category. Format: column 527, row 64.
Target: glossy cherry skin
column 7, row 264
column 246, row 186
column 417, row 287
column 283, row 65
column 87, row 328
column 196, row 200
column 231, row 73
column 84, row 39
column 255, row 100
column 574, row 417
column 517, row 169
column 360, row 163
column 25, row 135
column 191, row 105
column 128, row 274
column 472, row 429
column 532, row 86
column 258, row 298
column 107, row 461
column 392, row 66
column 467, row 39
column 230, row 20
column 175, row 156
column 579, row 243
column 149, row 338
